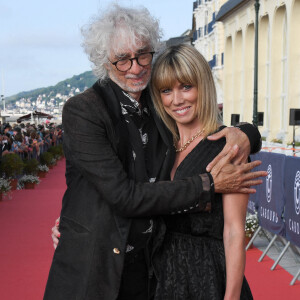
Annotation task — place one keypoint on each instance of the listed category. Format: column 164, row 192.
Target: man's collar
column 133, row 105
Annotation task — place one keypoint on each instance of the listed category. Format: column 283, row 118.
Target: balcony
column 197, row 34
column 212, row 63
column 210, row 26
column 199, row 2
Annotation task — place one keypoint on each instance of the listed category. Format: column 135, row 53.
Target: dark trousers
column 134, row 284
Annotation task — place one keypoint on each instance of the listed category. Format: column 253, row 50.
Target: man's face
column 135, row 80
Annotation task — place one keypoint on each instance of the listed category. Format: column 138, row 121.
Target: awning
column 35, row 115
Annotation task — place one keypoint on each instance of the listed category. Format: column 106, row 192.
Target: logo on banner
column 269, row 183
column 297, row 193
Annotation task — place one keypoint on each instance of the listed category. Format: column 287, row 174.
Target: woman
column 203, row 254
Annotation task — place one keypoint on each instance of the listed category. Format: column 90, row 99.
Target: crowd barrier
column 277, row 202
column 42, row 148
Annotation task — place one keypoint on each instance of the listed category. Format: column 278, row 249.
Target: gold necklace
column 187, row 143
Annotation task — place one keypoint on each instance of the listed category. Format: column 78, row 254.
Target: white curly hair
column 118, row 29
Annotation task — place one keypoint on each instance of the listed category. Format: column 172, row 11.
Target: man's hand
column 230, row 178
column 234, row 136
column 55, row 233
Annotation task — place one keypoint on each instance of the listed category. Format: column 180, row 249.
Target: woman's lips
column 182, row 111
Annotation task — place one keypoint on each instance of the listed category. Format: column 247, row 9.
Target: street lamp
column 255, row 119
column 3, row 102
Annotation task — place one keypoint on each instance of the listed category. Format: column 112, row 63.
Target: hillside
column 81, row 82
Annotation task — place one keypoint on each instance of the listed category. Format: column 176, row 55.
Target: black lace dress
column 191, row 261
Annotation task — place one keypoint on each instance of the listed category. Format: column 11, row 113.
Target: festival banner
column 292, row 199
column 271, row 193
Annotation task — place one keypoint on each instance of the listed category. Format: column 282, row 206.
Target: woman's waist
column 196, row 225
column 192, row 236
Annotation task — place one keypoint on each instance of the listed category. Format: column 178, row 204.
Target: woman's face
column 180, row 102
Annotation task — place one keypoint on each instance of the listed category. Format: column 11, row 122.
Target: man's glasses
column 143, row 59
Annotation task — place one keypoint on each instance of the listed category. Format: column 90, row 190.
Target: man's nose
column 135, row 68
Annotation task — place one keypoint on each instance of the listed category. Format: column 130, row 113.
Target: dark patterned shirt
column 138, row 114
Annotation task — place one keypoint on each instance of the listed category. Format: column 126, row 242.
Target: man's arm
column 230, row 178
column 227, row 178
column 88, row 148
column 246, row 136
column 253, row 135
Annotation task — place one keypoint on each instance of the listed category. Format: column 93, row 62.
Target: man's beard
column 139, row 86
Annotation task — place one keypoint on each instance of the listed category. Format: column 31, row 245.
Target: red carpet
column 26, row 248
column 266, row 284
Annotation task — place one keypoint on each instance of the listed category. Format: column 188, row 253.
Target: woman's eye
column 187, row 86
column 165, row 91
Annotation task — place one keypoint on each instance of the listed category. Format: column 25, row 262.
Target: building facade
column 208, row 38
column 278, row 64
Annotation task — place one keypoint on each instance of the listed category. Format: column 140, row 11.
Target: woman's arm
column 234, row 207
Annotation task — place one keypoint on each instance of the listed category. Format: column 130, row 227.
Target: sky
column 40, row 40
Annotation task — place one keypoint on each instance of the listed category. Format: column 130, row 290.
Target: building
column 278, row 64
column 208, row 38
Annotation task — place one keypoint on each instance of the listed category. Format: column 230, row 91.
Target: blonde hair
column 185, row 64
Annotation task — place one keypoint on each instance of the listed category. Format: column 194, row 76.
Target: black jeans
column 134, row 284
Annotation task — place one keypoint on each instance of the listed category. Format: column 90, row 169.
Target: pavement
column 290, row 260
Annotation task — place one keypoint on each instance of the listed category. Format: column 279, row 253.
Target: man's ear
column 107, row 66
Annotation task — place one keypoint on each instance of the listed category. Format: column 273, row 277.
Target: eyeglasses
column 143, row 59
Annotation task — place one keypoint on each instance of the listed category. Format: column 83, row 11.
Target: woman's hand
column 55, row 233
column 234, row 136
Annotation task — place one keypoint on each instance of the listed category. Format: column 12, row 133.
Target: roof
column 34, row 114
column 228, row 8
column 179, row 40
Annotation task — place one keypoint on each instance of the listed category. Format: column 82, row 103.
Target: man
column 116, row 148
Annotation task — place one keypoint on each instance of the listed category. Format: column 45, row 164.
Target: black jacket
column 100, row 199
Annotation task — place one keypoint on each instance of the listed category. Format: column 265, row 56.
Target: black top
column 208, row 224
column 191, row 261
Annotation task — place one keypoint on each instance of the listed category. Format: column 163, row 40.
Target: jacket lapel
column 110, row 98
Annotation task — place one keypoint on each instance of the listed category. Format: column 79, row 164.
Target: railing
column 277, row 202
column 34, row 153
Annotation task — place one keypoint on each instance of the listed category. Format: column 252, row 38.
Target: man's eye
column 123, row 61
